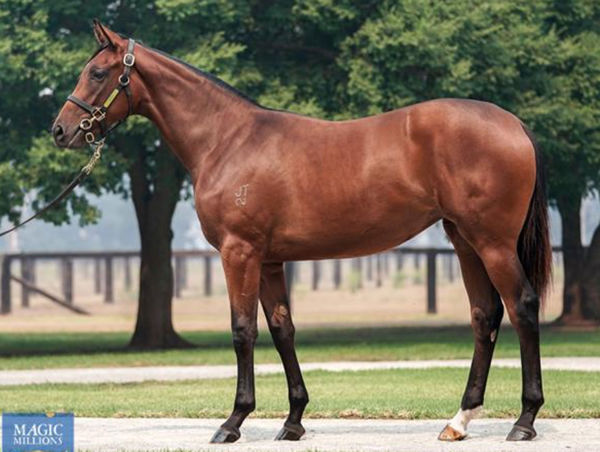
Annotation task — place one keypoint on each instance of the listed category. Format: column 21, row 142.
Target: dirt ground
column 400, row 300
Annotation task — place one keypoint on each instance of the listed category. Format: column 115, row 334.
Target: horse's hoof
column 520, row 433
column 225, row 435
column 290, row 432
column 450, row 434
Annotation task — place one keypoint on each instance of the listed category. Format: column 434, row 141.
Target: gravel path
column 331, row 435
column 174, row 373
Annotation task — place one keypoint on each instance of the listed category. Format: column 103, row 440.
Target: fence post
column 369, row 268
column 97, row 276
column 5, row 304
column 67, row 279
column 26, row 274
column 127, row 269
column 431, row 278
column 316, row 274
column 207, row 276
column 337, row 273
column 108, row 280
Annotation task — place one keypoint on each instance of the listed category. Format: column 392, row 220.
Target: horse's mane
column 223, row 84
column 208, row 76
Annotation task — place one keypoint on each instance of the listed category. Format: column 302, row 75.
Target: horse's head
column 104, row 94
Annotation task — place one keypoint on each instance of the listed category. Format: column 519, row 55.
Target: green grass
column 405, row 394
column 52, row 350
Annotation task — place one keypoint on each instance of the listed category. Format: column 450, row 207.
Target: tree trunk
column 155, row 193
column 581, row 292
column 591, row 278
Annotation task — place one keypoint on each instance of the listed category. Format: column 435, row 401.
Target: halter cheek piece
column 98, row 114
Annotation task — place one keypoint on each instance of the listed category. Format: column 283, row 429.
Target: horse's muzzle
column 60, row 137
column 67, row 137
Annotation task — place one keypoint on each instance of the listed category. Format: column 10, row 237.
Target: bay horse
column 273, row 186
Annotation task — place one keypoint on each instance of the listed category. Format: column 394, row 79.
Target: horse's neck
column 197, row 117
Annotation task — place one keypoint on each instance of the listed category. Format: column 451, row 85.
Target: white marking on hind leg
column 494, row 335
column 462, row 418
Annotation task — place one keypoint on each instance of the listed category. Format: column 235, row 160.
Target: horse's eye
column 98, row 74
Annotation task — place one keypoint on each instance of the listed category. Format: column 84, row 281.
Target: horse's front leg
column 241, row 263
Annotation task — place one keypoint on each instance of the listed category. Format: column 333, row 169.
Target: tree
column 571, row 139
column 45, row 45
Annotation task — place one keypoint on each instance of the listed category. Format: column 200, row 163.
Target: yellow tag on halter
column 111, row 98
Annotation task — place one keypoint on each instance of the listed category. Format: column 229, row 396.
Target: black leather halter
column 98, row 114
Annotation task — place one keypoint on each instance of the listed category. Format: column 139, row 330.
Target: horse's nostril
column 59, row 134
column 58, row 131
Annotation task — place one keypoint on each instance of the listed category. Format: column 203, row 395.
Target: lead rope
column 85, row 171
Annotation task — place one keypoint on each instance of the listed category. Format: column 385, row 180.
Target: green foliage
column 332, row 59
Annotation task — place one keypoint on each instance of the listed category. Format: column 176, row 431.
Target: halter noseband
column 98, row 114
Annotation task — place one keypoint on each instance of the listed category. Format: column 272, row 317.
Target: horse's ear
column 102, row 35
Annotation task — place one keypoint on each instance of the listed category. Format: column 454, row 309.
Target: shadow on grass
column 45, row 344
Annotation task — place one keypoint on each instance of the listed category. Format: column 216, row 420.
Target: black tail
column 534, row 246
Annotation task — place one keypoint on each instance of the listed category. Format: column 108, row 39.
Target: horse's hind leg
column 496, row 245
column 522, row 303
column 277, row 311
column 486, row 315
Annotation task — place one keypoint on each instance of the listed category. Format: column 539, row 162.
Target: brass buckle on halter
column 89, row 137
column 85, row 124
column 123, row 80
column 98, row 114
column 129, row 59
